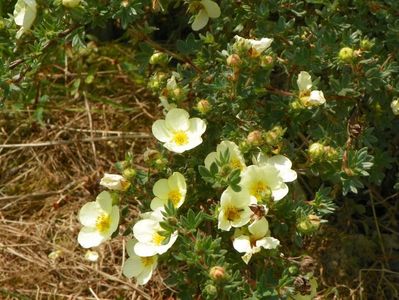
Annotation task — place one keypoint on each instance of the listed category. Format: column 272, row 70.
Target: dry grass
column 45, row 181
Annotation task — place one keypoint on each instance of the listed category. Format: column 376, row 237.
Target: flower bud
column 254, row 138
column 156, row 82
column 293, row 270
column 366, row 44
column 346, row 54
column 233, row 60
column 129, row 173
column 115, row 182
column 178, row 94
column 316, row 151
column 71, row 3
column 159, row 58
column 217, row 273
column 274, row 135
column 203, row 106
column 267, row 61
column 395, row 106
column 211, row 290
column 309, row 224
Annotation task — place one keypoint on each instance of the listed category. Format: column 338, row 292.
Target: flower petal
column 177, row 119
column 130, row 247
column 161, row 188
column 143, row 230
column 89, row 213
column 316, row 98
column 200, row 21
column 177, row 181
column 90, row 237
column 145, row 249
column 280, row 192
column 197, row 127
column 223, row 223
column 242, row 244
column 268, row 243
column 145, row 275
column 209, row 159
column 259, row 228
column 161, row 132
column 212, row 8
column 104, row 199
column 114, row 216
column 304, row 81
column 132, row 267
column 157, row 203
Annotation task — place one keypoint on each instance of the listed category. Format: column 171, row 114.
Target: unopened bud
column 159, row 58
column 71, row 3
column 293, row 270
column 203, row 106
column 274, row 135
column 309, row 224
column 254, row 138
column 366, row 44
column 266, row 61
column 217, row 273
column 233, row 60
column 129, row 173
column 316, row 151
column 211, row 290
column 156, row 81
column 346, row 54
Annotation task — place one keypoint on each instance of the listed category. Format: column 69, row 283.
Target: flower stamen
column 180, row 138
column 103, row 222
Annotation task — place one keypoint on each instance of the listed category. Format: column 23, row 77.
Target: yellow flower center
column 174, row 196
column 147, row 261
column 232, row 213
column 236, row 164
column 103, row 222
column 260, row 190
column 180, row 138
column 157, row 239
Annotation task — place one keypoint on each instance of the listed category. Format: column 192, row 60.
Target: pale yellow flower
column 236, row 160
column 139, row 267
column 172, row 189
column 115, row 182
column 178, row 132
column 148, row 234
column 100, row 219
column 306, row 96
column 234, row 209
column 258, row 238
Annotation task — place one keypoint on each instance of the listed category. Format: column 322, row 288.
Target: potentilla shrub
column 271, row 110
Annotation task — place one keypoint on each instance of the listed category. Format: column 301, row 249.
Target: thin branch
column 93, row 145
